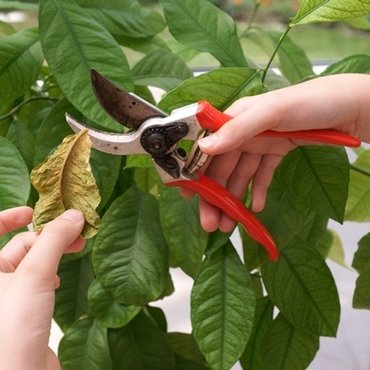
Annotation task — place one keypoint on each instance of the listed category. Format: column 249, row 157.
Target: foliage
column 104, row 302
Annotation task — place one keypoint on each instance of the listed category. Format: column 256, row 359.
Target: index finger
column 44, row 256
column 14, row 218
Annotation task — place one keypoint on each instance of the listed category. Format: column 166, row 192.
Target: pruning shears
column 158, row 134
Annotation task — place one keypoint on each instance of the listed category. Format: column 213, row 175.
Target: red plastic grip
column 209, row 117
column 212, row 119
column 322, row 136
column 218, row 196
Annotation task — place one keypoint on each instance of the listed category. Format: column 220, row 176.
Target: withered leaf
column 64, row 180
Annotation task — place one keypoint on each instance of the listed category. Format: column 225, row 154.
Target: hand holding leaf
column 64, row 180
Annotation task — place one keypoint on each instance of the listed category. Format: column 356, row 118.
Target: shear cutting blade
column 126, row 108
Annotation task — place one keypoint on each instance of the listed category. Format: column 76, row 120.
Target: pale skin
column 28, row 267
column 340, row 102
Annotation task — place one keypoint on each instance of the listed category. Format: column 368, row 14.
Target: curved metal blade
column 113, row 143
column 126, row 108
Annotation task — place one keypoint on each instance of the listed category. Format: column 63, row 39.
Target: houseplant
column 104, row 302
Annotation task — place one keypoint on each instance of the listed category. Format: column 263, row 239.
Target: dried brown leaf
column 65, row 180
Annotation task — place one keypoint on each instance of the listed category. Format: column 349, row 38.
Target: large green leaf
column 162, row 69
column 205, row 27
column 15, row 184
column 71, row 296
column 20, row 63
column 103, row 307
column 353, row 64
column 21, row 136
column 130, row 254
column 124, row 17
column 220, row 87
column 53, row 130
column 106, row 169
column 287, row 347
column 319, row 176
column 358, row 203
column 85, row 347
column 293, row 61
column 287, row 218
column 329, row 10
column 301, row 285
column 140, row 345
column 253, row 354
column 184, row 345
column 74, row 43
column 222, row 308
column 180, row 221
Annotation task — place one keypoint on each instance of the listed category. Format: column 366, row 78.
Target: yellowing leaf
column 64, row 180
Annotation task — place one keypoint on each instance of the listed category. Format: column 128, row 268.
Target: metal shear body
column 158, row 134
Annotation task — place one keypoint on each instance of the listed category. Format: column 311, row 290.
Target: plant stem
column 253, row 16
column 360, row 170
column 19, row 106
column 282, row 38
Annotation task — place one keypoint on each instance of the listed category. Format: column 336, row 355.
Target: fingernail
column 73, row 215
column 208, row 141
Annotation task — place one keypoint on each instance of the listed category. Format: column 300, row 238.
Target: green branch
column 19, row 106
column 282, row 38
column 360, row 170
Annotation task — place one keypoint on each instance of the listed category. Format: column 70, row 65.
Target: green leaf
column 184, row 345
column 106, row 169
column 287, row 218
column 85, row 347
column 147, row 179
column 162, row 69
column 180, row 222
column 358, row 203
column 15, row 184
column 329, row 10
column 353, row 64
column 252, row 357
column 53, row 130
column 361, row 297
column 220, row 87
column 361, row 258
column 222, row 308
column 20, row 63
column 287, row 347
column 319, row 175
column 71, row 296
column 293, row 61
column 103, row 307
column 140, row 345
column 331, row 247
column 17, row 5
column 6, row 29
column 124, row 17
column 21, row 136
column 301, row 285
column 74, row 43
column 130, row 254
column 206, row 28
column 361, row 262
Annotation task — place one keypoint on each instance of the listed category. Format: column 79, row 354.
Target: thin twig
column 282, row 38
column 19, row 106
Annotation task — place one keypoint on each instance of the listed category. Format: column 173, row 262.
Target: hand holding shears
column 157, row 134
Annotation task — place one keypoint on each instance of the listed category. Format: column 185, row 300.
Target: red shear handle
column 212, row 119
column 218, row 196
